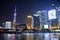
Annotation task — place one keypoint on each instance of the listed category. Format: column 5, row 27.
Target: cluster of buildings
column 45, row 19
column 40, row 20
column 37, row 20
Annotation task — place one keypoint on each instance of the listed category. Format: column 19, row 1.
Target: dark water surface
column 31, row 36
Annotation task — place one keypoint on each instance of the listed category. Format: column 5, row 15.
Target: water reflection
column 46, row 36
column 30, row 36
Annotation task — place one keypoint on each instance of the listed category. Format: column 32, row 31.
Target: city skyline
column 23, row 8
column 29, row 19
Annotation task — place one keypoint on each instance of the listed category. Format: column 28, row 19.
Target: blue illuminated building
column 53, row 21
column 43, row 18
column 40, row 19
column 58, row 16
column 36, row 21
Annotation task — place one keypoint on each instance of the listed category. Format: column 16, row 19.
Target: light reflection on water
column 31, row 36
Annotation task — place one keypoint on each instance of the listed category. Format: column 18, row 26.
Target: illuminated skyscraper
column 40, row 19
column 14, row 15
column 30, row 22
column 14, row 24
column 29, row 36
column 52, row 15
column 36, row 20
column 58, row 16
column 43, row 18
column 7, row 25
column 14, row 19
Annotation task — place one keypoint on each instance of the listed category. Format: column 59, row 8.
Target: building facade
column 40, row 19
column 7, row 25
column 58, row 16
column 30, row 22
column 43, row 18
column 36, row 21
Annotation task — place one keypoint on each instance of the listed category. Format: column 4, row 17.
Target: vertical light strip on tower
column 14, row 15
column 14, row 19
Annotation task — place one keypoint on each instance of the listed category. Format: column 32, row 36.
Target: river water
column 31, row 36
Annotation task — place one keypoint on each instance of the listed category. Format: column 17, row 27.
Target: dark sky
column 24, row 8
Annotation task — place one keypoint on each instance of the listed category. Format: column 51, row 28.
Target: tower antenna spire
column 14, row 14
column 14, row 19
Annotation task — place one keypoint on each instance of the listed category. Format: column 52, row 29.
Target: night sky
column 24, row 8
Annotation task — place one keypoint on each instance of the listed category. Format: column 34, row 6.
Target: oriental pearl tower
column 14, row 19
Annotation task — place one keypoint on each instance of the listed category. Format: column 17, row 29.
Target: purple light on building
column 14, row 15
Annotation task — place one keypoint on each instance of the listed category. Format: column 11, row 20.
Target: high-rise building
column 36, row 19
column 14, row 19
column 43, row 18
column 30, row 22
column 40, row 19
column 58, row 16
column 14, row 24
column 7, row 25
column 52, row 16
